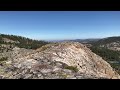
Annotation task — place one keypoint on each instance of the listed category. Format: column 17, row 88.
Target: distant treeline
column 107, row 54
column 23, row 41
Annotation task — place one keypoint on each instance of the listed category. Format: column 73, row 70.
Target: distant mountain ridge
column 108, row 40
column 77, row 40
column 86, row 40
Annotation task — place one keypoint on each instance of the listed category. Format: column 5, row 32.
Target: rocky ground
column 66, row 60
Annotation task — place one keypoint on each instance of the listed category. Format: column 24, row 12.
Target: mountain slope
column 112, row 43
column 108, row 49
column 22, row 42
column 66, row 60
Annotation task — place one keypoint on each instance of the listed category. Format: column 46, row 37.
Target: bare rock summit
column 76, row 54
column 64, row 60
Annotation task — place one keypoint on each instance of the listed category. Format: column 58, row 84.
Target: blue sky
column 56, row 25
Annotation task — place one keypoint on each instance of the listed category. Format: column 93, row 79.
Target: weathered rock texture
column 66, row 60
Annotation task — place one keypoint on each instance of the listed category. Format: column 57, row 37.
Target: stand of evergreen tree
column 23, row 42
column 108, row 55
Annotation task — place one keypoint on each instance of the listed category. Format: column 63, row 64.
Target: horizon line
column 64, row 39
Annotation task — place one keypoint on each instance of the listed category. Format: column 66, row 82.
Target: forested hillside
column 108, row 49
column 21, row 42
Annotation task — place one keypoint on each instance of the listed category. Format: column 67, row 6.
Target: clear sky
column 53, row 25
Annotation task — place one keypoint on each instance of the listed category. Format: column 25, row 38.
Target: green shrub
column 3, row 59
column 75, row 69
